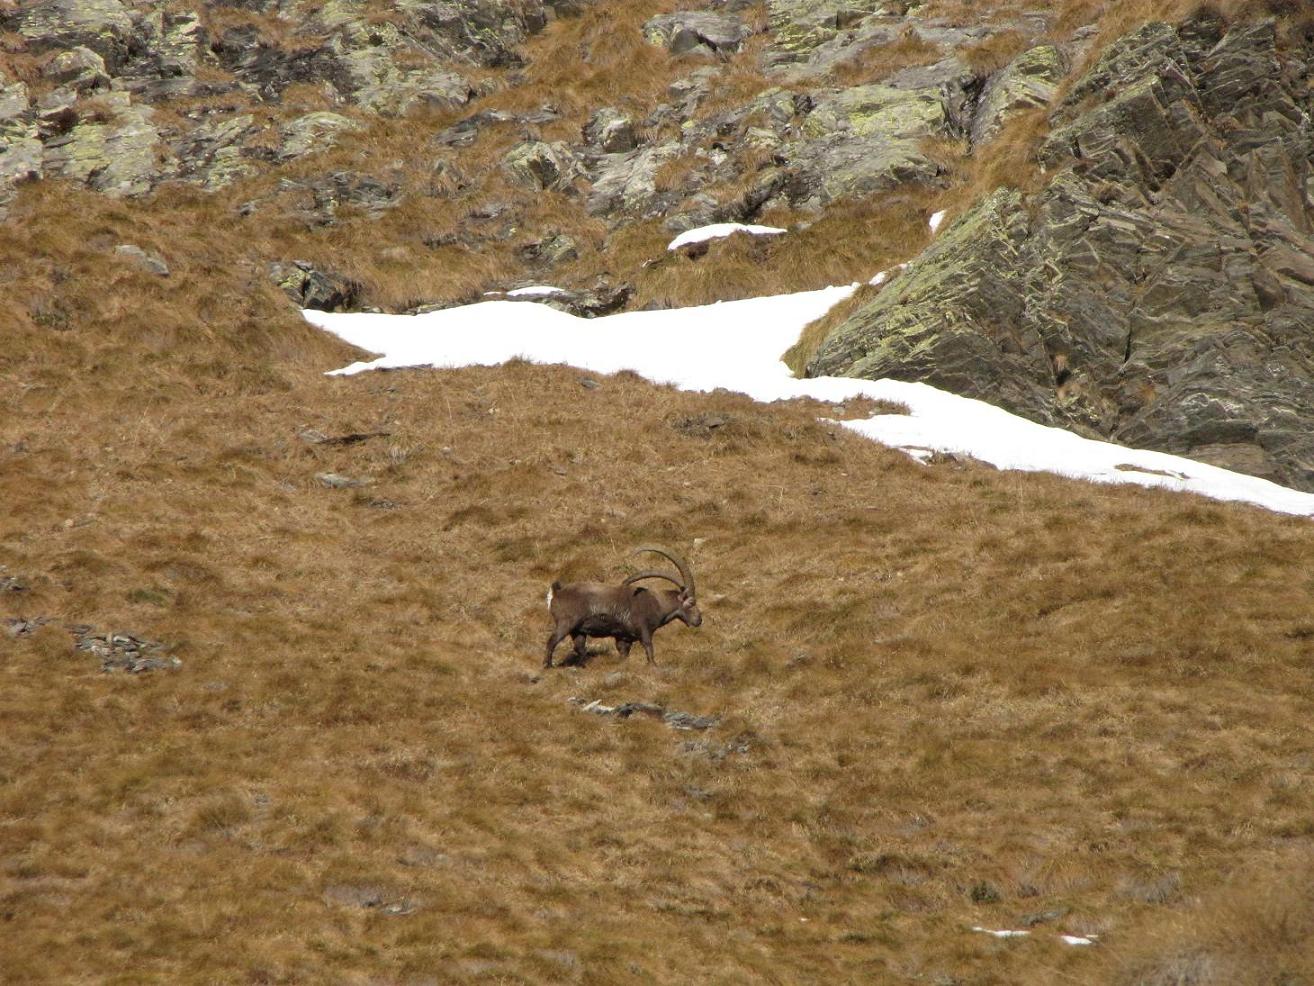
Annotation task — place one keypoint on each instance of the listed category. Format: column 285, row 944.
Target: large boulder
column 696, row 31
column 103, row 26
column 538, row 164
column 1029, row 81
column 1160, row 289
column 867, row 139
column 798, row 27
column 114, row 147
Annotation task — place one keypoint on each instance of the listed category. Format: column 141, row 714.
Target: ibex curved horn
column 685, row 572
column 653, row 575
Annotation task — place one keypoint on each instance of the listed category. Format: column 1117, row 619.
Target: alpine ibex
column 624, row 612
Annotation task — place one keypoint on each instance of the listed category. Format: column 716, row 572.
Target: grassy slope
column 934, row 679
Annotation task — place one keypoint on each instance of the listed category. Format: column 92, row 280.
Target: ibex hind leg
column 554, row 638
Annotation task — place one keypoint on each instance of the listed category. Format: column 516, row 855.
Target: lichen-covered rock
column 211, row 153
column 101, row 25
column 1027, row 82
column 114, row 148
column 696, row 31
column 800, row 26
column 312, row 288
column 611, row 131
column 551, row 250
column 166, row 53
column 1160, row 290
column 868, row 139
column 14, row 101
column 81, row 69
column 313, row 132
column 627, row 183
column 970, row 270
column 20, row 147
column 371, row 70
column 538, row 164
column 485, row 32
column 321, row 198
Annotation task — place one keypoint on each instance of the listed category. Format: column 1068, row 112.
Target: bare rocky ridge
column 1156, row 292
column 1160, row 290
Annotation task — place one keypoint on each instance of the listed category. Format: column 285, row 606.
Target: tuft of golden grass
column 881, row 61
column 996, row 51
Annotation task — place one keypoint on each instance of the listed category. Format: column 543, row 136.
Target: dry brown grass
column 597, row 58
column 995, row 52
column 1254, row 929
column 881, row 61
column 849, row 242
column 941, row 686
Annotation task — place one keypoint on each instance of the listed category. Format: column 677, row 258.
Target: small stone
column 611, row 131
column 542, row 165
column 588, row 383
column 1043, row 917
column 148, row 261
column 337, row 482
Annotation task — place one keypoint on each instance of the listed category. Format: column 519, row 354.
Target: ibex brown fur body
column 624, row 612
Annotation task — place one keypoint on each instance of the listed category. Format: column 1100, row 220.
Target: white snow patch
column 1005, row 933
column 535, row 291
column 1078, row 939
column 718, row 230
column 884, row 275
column 737, row 345
column 936, row 219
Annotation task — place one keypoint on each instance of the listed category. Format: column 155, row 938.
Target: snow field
column 736, row 345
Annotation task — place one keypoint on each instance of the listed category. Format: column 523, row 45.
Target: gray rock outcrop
column 696, row 31
column 1159, row 291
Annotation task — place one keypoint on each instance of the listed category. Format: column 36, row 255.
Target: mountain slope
column 948, row 697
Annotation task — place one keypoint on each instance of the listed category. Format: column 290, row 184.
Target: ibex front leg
column 581, row 649
column 645, row 638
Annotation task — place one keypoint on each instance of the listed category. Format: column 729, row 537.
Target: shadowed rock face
column 1160, row 290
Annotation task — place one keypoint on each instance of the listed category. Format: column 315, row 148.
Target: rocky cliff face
column 1159, row 290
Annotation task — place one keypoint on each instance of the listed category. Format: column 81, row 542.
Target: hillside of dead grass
column 950, row 697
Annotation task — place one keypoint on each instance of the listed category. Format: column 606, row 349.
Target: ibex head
column 687, row 609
